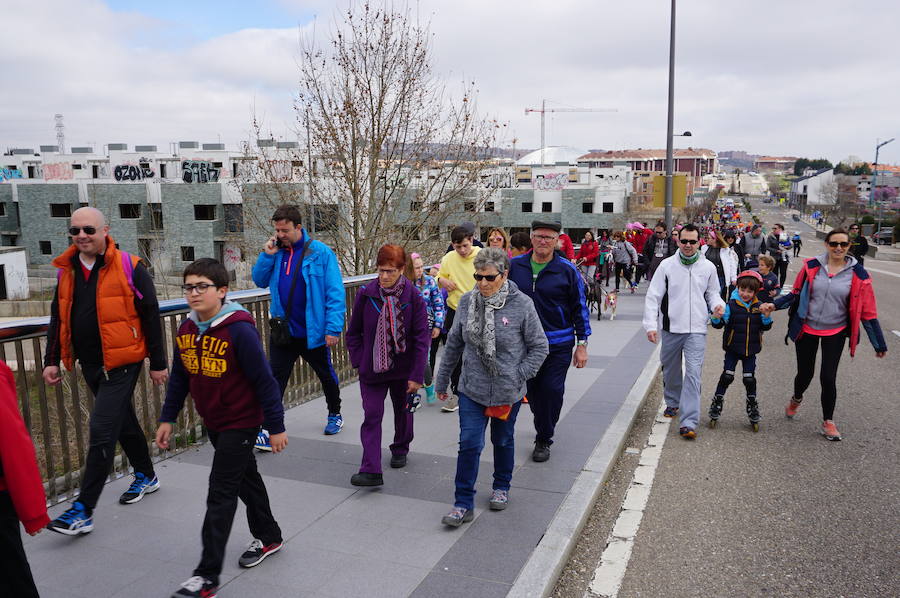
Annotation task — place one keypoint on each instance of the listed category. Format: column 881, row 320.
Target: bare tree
column 392, row 154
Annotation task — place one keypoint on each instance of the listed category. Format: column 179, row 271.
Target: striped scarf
column 390, row 334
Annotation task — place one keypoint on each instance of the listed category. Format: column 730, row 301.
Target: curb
column 543, row 568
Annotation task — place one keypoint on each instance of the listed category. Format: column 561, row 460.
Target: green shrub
column 867, row 219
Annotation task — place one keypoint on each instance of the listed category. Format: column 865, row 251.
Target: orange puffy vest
column 121, row 334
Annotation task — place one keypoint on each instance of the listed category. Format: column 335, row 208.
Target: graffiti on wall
column 199, row 171
column 10, row 173
column 498, row 180
column 551, row 182
column 231, row 257
column 59, row 171
column 134, row 172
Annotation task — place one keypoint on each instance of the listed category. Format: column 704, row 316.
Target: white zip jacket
column 682, row 297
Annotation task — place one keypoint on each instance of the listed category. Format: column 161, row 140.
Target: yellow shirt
column 461, row 271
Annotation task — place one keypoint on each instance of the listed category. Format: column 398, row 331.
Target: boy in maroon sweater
column 219, row 359
column 21, row 493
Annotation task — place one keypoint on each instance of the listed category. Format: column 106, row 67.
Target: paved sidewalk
column 343, row 541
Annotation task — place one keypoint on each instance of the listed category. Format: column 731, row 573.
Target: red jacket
column 567, row 247
column 589, row 252
column 861, row 306
column 19, row 475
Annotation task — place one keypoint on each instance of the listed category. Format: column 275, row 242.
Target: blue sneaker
column 262, row 441
column 73, row 522
column 139, row 487
column 430, row 396
column 335, row 423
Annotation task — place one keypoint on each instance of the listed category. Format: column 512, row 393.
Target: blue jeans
column 472, row 423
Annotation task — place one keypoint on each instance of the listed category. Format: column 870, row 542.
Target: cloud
column 769, row 77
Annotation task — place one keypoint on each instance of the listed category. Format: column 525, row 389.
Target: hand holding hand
column 767, row 309
column 278, row 441
column 718, row 312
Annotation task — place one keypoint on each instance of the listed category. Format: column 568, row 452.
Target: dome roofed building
column 552, row 155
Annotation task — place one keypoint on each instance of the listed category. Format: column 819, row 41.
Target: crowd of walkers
column 512, row 318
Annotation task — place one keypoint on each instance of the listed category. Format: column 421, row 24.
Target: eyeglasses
column 544, row 238
column 88, row 230
column 688, row 241
column 387, row 271
column 200, row 288
column 843, row 244
column 487, row 277
column 854, row 228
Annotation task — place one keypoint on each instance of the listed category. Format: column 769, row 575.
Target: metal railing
column 57, row 417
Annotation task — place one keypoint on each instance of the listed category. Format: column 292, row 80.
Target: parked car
column 884, row 237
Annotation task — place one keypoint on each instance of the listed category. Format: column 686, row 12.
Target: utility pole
column 60, row 133
column 878, row 146
column 669, row 128
column 543, row 110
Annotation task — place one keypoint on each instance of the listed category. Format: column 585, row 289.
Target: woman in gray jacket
column 499, row 335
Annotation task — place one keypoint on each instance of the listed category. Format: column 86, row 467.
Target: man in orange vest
column 106, row 316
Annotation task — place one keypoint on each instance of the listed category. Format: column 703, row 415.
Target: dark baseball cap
column 554, row 226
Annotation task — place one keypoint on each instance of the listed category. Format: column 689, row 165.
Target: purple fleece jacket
column 360, row 336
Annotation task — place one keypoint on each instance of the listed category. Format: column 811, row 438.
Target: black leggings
column 807, row 346
column 623, row 269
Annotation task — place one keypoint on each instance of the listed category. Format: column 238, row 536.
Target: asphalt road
column 781, row 512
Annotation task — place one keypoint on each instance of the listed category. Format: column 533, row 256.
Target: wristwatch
column 582, row 343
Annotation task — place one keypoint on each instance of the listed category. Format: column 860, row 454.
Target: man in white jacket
column 684, row 289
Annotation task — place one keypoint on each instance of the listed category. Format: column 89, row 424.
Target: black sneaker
column 197, row 587
column 541, row 452
column 398, row 461
column 256, row 552
column 367, row 479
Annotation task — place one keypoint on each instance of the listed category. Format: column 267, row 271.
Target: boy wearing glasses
column 219, row 359
column 105, row 315
column 684, row 290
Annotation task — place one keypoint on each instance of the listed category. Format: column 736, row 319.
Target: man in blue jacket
column 315, row 316
column 555, row 286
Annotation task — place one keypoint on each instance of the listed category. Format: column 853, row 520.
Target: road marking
column 611, row 571
column 883, row 272
column 897, row 332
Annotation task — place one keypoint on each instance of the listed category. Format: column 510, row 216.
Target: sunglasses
column 487, row 277
column 88, row 230
column 688, row 241
column 843, row 244
column 200, row 288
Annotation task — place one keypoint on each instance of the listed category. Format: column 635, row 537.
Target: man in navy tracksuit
column 553, row 283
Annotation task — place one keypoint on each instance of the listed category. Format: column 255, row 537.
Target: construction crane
column 543, row 110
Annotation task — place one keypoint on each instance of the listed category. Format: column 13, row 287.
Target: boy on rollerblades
column 742, row 340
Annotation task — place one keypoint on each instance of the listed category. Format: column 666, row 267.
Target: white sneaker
column 451, row 404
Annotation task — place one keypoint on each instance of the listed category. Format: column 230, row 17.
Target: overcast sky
column 771, row 77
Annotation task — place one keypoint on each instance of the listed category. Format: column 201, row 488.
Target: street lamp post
column 875, row 182
column 670, row 124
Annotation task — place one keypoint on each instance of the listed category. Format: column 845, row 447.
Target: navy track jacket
column 558, row 296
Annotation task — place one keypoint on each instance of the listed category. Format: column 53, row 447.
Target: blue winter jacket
column 558, row 296
column 325, row 304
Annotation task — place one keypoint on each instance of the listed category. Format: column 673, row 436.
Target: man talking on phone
column 307, row 308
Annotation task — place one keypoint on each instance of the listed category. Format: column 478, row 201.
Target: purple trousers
column 370, row 432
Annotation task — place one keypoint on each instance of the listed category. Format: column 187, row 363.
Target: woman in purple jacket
column 388, row 341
